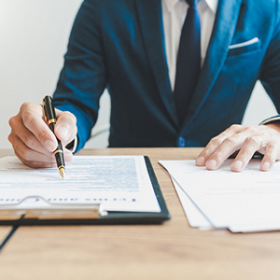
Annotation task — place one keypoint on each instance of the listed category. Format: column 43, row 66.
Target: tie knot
column 192, row 2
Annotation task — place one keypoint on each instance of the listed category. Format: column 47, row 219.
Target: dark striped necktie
column 188, row 60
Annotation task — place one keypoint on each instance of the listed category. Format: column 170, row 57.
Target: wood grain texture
column 173, row 250
column 4, row 232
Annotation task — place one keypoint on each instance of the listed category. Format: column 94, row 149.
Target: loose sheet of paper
column 245, row 201
column 119, row 183
column 195, row 217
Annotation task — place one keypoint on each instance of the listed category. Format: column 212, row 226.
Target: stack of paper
column 242, row 202
column 118, row 183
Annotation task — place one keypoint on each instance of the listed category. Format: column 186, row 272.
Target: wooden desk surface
column 173, row 250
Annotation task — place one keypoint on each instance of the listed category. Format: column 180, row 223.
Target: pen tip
column 62, row 173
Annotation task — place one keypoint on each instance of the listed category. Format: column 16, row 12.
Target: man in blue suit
column 132, row 47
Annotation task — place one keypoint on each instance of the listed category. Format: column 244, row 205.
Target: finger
column 68, row 155
column 250, row 146
column 26, row 137
column 270, row 156
column 36, row 159
column 215, row 143
column 65, row 128
column 32, row 119
column 227, row 148
column 230, row 145
column 35, row 164
column 28, row 156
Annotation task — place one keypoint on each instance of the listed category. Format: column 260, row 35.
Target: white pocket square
column 244, row 44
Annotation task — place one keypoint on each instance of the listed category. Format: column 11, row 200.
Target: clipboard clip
column 49, row 210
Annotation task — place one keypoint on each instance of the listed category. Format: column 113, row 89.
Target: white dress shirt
column 174, row 13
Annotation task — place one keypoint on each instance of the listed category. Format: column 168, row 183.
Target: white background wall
column 33, row 40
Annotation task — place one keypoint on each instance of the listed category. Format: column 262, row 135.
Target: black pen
column 50, row 118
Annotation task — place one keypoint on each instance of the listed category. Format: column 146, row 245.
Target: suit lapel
column 223, row 31
column 149, row 12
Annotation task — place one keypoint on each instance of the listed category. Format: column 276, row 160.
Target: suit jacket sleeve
column 270, row 72
column 84, row 76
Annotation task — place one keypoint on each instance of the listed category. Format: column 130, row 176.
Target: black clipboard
column 92, row 216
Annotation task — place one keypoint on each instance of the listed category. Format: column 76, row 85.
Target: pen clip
column 43, row 106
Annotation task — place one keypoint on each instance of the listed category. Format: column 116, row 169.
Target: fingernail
column 237, row 165
column 266, row 166
column 63, row 132
column 211, row 164
column 50, row 146
column 200, row 161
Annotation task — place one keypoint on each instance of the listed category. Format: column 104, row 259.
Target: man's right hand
column 33, row 142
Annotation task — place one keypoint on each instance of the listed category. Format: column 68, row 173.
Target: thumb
column 65, row 128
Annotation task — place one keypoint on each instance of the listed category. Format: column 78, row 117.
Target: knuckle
column 251, row 129
column 253, row 140
column 230, row 141
column 10, row 138
column 42, row 136
column 273, row 146
column 12, row 122
column 263, row 130
column 24, row 106
column 216, row 141
column 27, row 117
column 29, row 112
column 224, row 135
column 29, row 141
column 235, row 127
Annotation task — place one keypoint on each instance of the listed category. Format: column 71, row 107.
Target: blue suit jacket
column 119, row 44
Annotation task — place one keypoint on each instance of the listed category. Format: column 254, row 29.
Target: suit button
column 181, row 142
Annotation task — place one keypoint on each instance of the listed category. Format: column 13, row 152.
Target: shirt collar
column 170, row 4
column 212, row 4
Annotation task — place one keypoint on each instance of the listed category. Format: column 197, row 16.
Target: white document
column 118, row 183
column 243, row 202
column 195, row 217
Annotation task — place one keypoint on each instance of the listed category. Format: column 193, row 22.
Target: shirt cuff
column 271, row 120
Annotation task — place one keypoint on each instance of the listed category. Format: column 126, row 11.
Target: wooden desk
column 5, row 230
column 173, row 250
